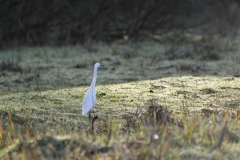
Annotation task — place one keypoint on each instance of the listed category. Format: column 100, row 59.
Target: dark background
column 70, row 22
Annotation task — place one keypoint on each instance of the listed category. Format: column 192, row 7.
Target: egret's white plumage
column 89, row 100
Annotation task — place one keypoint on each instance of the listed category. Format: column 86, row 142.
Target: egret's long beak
column 101, row 65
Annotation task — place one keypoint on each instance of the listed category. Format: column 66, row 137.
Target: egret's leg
column 90, row 116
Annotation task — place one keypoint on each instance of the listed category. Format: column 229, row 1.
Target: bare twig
column 220, row 140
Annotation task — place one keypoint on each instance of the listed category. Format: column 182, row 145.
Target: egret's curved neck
column 94, row 77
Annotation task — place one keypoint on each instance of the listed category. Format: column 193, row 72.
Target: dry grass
column 148, row 105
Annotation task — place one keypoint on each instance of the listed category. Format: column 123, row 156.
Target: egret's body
column 89, row 100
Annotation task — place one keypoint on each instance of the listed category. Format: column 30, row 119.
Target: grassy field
column 172, row 97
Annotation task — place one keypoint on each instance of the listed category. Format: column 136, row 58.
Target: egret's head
column 98, row 65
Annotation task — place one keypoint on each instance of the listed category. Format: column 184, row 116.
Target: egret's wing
column 94, row 98
column 88, row 101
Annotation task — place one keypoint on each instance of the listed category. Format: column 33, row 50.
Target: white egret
column 89, row 100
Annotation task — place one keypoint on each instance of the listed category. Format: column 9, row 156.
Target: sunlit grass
column 33, row 121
